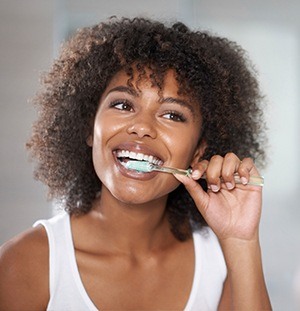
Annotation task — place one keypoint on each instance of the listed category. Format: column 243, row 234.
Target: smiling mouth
column 124, row 156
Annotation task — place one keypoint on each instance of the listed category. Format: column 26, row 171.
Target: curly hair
column 211, row 70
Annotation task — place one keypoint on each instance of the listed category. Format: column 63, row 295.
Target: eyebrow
column 124, row 89
column 133, row 92
column 180, row 102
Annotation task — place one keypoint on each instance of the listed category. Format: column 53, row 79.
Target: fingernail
column 244, row 180
column 196, row 174
column 229, row 185
column 214, row 188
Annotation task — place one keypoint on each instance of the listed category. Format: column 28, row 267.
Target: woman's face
column 140, row 124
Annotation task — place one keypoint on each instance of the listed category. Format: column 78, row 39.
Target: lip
column 137, row 148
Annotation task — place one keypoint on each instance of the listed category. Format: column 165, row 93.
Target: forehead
column 164, row 83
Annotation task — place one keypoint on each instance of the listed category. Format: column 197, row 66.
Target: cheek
column 183, row 143
column 104, row 129
column 98, row 138
column 101, row 134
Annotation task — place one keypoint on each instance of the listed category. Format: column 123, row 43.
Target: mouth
column 123, row 156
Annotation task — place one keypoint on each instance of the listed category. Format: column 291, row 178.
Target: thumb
column 200, row 197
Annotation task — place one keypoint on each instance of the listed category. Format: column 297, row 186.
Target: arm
column 24, row 272
column 233, row 212
column 245, row 287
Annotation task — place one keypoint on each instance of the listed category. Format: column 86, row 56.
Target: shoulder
column 24, row 271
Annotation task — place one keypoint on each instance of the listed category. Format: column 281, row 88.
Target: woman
column 129, row 240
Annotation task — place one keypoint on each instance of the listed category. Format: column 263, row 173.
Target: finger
column 247, row 168
column 199, row 196
column 199, row 169
column 230, row 166
column 213, row 173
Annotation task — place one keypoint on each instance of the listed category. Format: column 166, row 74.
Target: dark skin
column 103, row 269
column 24, row 271
column 122, row 269
column 124, row 247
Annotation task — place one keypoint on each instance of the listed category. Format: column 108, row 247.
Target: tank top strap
column 66, row 289
column 210, row 272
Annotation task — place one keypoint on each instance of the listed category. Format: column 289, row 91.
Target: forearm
column 245, row 275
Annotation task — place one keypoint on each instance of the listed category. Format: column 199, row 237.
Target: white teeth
column 123, row 163
column 138, row 156
column 132, row 155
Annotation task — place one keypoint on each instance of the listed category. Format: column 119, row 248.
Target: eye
column 174, row 116
column 122, row 105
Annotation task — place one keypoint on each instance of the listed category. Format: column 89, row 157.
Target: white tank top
column 67, row 292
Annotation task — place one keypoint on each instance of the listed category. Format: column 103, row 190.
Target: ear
column 89, row 140
column 90, row 137
column 199, row 152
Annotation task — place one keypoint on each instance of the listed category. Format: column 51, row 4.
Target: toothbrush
column 147, row 167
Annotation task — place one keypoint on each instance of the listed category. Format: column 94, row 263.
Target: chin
column 132, row 196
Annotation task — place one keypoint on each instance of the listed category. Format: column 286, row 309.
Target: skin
column 234, row 216
column 126, row 238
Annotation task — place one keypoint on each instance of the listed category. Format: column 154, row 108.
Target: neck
column 132, row 228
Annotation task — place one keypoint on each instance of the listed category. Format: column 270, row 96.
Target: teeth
column 138, row 156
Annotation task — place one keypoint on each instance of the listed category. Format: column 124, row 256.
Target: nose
column 143, row 127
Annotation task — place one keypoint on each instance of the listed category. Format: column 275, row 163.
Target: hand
column 231, row 210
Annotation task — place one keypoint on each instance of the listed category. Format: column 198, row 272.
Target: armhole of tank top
column 52, row 263
column 221, row 262
column 197, row 272
column 74, row 267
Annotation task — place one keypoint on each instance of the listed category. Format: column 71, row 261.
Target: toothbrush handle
column 171, row 170
column 253, row 180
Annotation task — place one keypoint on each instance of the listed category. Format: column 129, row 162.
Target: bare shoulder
column 24, row 275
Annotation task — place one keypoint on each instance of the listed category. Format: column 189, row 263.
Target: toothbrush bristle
column 141, row 166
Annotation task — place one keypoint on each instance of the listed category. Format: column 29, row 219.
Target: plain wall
column 26, row 49
column 30, row 34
